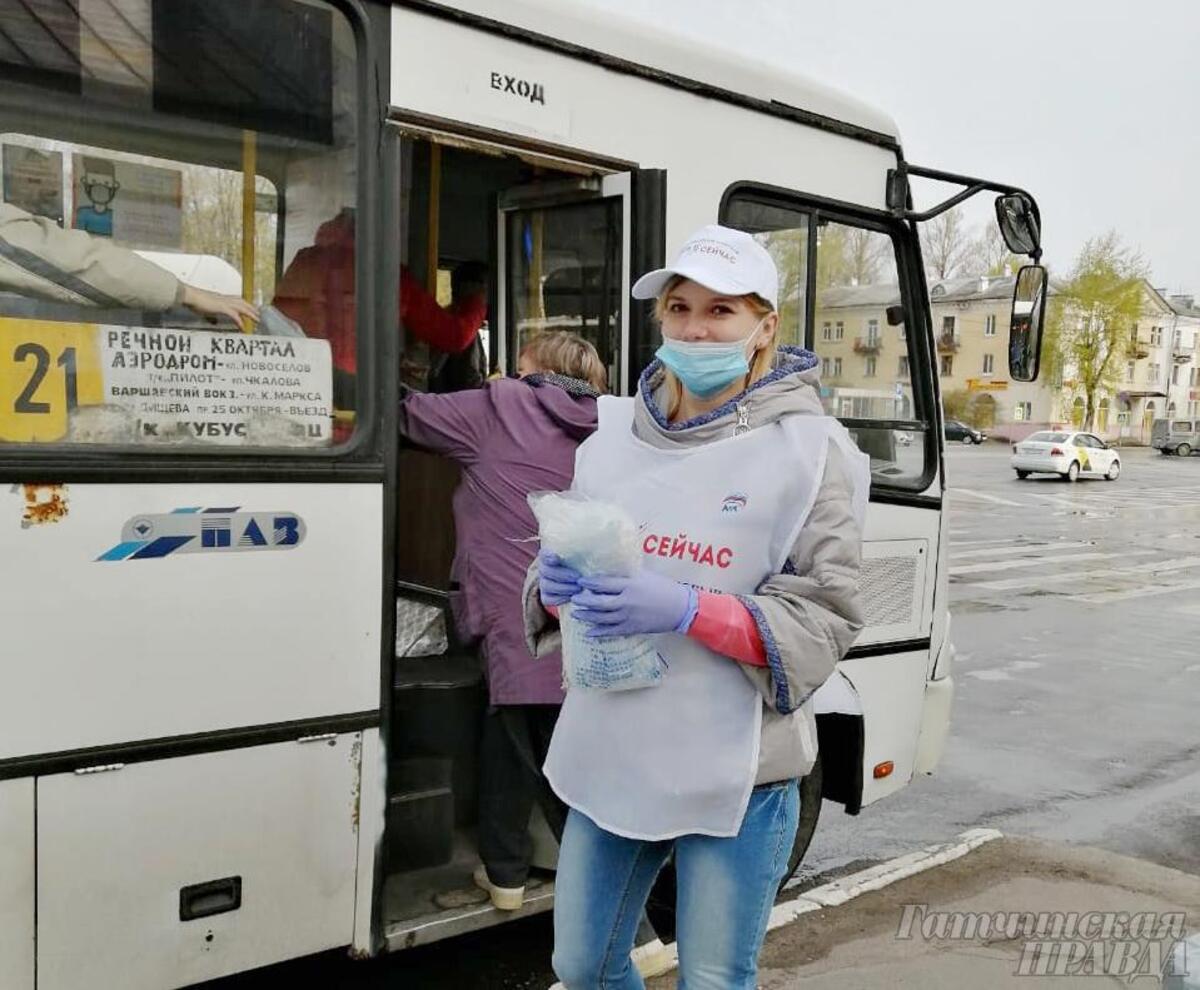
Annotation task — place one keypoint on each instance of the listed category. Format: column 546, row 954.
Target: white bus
column 212, row 545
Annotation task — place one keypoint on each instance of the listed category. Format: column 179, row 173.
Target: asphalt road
column 1075, row 613
column 1076, row 610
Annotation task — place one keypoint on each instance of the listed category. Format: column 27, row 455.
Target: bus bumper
column 935, row 724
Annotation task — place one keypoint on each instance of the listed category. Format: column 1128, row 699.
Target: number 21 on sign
column 46, row 371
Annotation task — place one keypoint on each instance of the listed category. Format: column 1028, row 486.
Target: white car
column 1067, row 453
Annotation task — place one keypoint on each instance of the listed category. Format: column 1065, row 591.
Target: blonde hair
column 561, row 353
column 764, row 357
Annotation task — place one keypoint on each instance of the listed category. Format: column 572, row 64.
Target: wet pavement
column 1076, row 613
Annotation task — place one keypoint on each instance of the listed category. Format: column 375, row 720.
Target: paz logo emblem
column 226, row 529
column 734, row 502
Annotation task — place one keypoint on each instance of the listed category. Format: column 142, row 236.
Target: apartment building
column 865, row 361
column 1157, row 376
column 1183, row 387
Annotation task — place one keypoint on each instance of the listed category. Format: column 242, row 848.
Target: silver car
column 1067, row 453
column 1175, row 436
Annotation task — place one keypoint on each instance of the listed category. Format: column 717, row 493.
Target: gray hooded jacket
column 809, row 615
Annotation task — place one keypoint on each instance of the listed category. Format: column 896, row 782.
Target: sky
column 1091, row 105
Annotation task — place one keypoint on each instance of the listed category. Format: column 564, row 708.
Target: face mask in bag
column 707, row 367
column 596, row 537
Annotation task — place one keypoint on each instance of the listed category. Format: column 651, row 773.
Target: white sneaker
column 503, row 898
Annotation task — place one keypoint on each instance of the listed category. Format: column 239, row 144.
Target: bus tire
column 1184, row 450
column 661, row 904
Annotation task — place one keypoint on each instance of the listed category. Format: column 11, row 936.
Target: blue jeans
column 726, row 888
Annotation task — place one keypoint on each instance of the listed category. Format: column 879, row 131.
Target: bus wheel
column 661, row 905
column 1184, row 450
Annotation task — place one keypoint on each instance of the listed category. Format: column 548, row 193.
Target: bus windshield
column 867, row 371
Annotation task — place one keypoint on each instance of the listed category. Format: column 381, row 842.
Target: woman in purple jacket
column 511, row 437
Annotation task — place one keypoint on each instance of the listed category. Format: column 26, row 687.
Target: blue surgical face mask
column 707, row 367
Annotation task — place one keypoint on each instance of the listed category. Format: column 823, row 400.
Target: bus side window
column 154, row 245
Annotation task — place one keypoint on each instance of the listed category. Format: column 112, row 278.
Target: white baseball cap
column 722, row 259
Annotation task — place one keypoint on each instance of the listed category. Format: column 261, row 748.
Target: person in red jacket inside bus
column 317, row 291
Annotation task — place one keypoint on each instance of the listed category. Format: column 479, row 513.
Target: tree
column 863, row 253
column 212, row 223
column 850, row 255
column 945, row 245
column 956, row 403
column 831, row 256
column 989, row 255
column 1091, row 316
column 845, row 256
column 974, row 408
column 789, row 250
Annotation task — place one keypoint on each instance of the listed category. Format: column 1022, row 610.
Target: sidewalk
column 855, row 946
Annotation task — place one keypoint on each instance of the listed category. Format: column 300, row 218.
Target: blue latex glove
column 556, row 581
column 625, row 606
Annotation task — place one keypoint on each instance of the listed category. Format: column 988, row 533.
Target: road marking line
column 1138, row 498
column 1153, row 567
column 1158, row 493
column 1011, row 565
column 1056, row 499
column 987, row 498
column 1017, row 549
column 1104, row 598
column 979, row 543
column 1131, row 499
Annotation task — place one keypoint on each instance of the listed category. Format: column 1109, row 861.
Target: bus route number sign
column 47, row 369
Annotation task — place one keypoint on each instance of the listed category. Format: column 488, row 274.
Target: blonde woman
column 750, row 503
column 512, row 437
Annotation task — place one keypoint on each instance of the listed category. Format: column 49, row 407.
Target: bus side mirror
column 1025, row 324
column 1020, row 225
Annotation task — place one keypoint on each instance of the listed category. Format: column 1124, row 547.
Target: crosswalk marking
column 1037, row 561
column 1088, row 568
column 1077, row 498
column 983, row 496
column 1148, row 591
column 1134, row 498
column 1015, row 549
column 1055, row 499
column 1133, row 570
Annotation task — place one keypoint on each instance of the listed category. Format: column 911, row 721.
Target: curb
column 655, row 958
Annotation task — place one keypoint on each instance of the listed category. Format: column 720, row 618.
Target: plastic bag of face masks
column 596, row 537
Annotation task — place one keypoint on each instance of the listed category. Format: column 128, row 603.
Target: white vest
column 680, row 758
